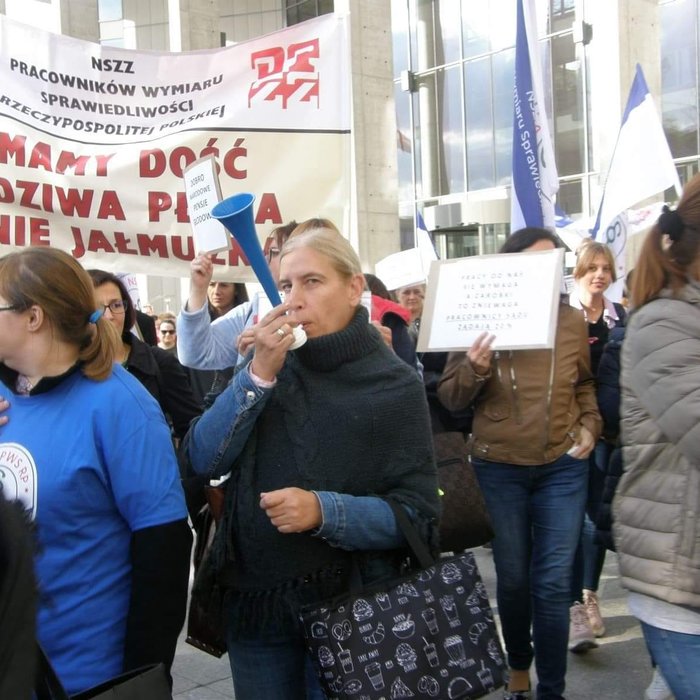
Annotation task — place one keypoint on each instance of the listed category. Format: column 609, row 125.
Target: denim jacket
column 219, row 435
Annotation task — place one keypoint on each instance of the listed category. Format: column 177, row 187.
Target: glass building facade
column 453, row 66
column 680, row 61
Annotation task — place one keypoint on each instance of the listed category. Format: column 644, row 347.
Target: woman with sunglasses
column 167, row 332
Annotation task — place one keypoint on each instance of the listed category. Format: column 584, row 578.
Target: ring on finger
column 280, row 332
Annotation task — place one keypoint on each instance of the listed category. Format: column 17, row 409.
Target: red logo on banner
column 283, row 75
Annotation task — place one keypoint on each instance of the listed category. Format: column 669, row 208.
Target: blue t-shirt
column 94, row 462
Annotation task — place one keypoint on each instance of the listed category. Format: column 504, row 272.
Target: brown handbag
column 465, row 521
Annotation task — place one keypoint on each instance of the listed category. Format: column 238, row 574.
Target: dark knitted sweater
column 347, row 416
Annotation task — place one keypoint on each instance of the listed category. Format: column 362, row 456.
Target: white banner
column 94, row 141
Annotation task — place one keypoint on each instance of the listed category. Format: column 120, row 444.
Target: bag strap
column 418, row 547
column 47, row 684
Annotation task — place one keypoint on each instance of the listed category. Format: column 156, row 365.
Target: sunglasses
column 164, row 332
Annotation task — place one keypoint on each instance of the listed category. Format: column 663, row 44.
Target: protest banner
column 514, row 296
column 94, row 141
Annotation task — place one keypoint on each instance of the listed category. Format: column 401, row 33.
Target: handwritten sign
column 203, row 191
column 514, row 296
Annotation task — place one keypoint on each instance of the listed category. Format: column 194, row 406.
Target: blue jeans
column 273, row 668
column 537, row 514
column 676, row 654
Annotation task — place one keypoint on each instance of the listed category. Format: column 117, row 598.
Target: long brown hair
column 54, row 281
column 665, row 262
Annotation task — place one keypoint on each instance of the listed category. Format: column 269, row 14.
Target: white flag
column 641, row 166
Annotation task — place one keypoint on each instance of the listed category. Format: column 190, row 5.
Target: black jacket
column 17, row 604
column 166, row 380
column 608, row 384
column 608, row 394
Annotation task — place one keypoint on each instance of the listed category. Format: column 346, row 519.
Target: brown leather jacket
column 530, row 408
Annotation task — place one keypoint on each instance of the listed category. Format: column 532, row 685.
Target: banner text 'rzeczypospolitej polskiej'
column 94, row 140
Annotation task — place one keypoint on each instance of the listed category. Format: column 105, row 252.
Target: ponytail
column 100, row 350
column 654, row 270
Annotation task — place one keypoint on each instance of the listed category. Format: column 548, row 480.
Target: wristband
column 259, row 381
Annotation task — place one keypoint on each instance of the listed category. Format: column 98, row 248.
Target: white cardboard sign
column 203, row 191
column 515, row 296
column 401, row 269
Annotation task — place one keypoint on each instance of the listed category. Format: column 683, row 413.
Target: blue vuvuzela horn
column 236, row 214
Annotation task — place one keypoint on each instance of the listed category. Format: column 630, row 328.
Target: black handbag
column 146, row 683
column 465, row 521
column 431, row 632
column 204, row 619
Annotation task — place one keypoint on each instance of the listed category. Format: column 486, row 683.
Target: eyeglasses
column 165, row 332
column 116, row 307
column 272, row 253
column 10, row 307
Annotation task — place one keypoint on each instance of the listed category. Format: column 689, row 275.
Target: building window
column 478, row 91
column 679, row 76
column 451, row 135
column 301, row 10
column 109, row 10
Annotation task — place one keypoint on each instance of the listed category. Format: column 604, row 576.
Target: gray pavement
column 618, row 670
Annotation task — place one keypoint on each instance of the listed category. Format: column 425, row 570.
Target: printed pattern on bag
column 432, row 636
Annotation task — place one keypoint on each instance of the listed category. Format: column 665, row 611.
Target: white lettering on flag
column 535, row 180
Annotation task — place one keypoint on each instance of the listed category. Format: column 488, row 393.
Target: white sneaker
column 581, row 637
column 590, row 601
column 658, row 688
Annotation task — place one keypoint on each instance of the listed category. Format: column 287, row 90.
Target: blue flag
column 535, row 179
column 424, row 243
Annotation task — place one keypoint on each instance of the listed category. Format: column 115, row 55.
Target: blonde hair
column 330, row 243
column 168, row 317
column 54, row 281
column 311, row 224
column 587, row 253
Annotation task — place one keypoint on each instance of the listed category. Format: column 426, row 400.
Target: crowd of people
column 106, row 442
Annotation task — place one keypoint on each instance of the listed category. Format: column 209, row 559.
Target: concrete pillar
column 375, row 221
column 194, row 24
column 79, row 19
column 625, row 32
column 427, row 102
